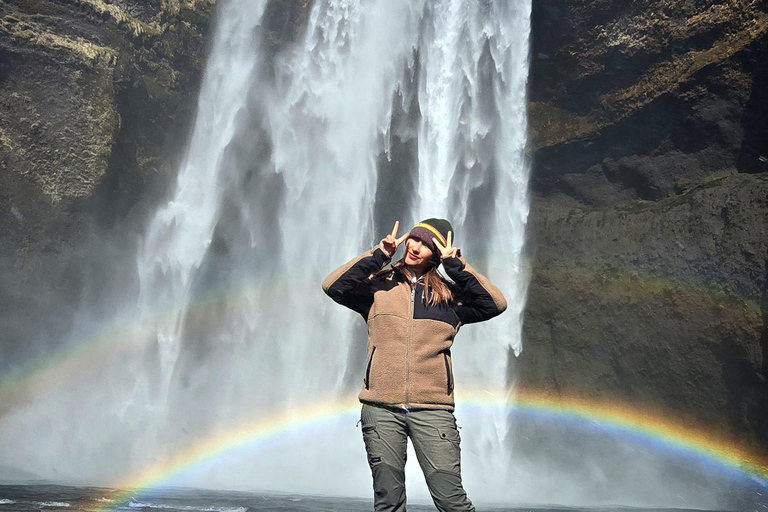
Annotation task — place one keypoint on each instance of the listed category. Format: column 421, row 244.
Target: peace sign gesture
column 389, row 244
column 446, row 251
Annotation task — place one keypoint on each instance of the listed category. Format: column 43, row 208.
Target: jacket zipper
column 408, row 344
column 368, row 370
column 447, row 374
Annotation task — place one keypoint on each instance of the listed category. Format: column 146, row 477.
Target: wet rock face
column 656, row 303
column 670, row 81
column 648, row 222
column 96, row 99
column 77, row 77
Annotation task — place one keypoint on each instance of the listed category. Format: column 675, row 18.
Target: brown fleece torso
column 409, row 361
column 409, row 341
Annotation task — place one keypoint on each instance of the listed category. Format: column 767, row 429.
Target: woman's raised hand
column 447, row 251
column 390, row 243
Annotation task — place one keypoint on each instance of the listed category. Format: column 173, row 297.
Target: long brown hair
column 436, row 289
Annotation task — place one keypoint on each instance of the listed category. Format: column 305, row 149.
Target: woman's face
column 417, row 255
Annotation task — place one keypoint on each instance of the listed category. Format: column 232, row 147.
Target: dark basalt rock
column 97, row 99
column 649, row 211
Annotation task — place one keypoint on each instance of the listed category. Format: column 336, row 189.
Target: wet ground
column 51, row 498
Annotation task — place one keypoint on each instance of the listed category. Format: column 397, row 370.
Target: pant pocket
column 447, row 456
column 371, row 437
column 450, row 434
column 372, row 444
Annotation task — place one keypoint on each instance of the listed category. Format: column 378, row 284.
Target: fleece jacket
column 409, row 342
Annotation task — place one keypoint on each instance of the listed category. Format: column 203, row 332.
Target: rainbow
column 91, row 354
column 610, row 415
column 111, row 341
column 86, row 356
column 653, row 426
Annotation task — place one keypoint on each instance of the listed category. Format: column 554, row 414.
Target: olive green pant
column 435, row 439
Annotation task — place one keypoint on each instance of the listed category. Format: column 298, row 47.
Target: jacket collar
column 412, row 277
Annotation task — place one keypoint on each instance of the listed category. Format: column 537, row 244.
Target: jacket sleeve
column 478, row 298
column 349, row 284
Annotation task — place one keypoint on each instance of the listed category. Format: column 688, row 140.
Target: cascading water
column 181, row 232
column 328, row 118
column 384, row 111
column 472, row 170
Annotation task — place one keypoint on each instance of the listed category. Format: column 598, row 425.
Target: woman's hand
column 446, row 251
column 390, row 244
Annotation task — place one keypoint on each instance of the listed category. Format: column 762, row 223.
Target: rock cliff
column 96, row 98
column 650, row 208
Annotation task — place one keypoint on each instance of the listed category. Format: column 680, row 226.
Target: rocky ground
column 650, row 207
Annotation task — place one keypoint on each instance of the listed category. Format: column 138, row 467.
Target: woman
column 413, row 315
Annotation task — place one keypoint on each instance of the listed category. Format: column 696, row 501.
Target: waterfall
column 180, row 233
column 474, row 66
column 298, row 162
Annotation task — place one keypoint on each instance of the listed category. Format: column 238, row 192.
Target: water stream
column 384, row 111
column 289, row 174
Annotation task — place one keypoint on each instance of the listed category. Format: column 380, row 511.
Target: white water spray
column 283, row 181
column 180, row 233
column 472, row 170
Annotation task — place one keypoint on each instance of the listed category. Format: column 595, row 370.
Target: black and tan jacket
column 409, row 342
